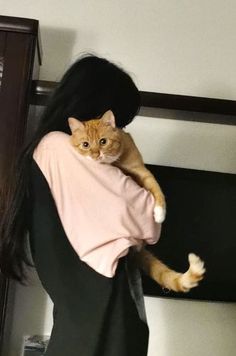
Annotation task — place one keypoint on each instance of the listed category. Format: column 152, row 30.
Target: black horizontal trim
column 188, row 103
column 179, row 107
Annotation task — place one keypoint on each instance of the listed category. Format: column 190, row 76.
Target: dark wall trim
column 179, row 107
column 41, row 91
column 188, row 103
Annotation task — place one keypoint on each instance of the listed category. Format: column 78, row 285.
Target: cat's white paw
column 194, row 275
column 196, row 265
column 159, row 214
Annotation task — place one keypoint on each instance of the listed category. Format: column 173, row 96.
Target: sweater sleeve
column 141, row 205
column 103, row 211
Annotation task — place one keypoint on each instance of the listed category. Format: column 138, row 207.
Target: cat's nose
column 95, row 155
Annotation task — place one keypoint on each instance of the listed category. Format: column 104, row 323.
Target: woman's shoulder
column 54, row 140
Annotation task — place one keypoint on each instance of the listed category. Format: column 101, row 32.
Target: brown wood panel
column 3, row 282
column 18, row 24
column 13, row 99
column 2, row 49
column 19, row 51
column 2, row 43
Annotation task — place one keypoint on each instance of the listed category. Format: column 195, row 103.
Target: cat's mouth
column 110, row 159
column 105, row 159
column 97, row 159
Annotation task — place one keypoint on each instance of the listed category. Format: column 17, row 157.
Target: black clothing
column 93, row 315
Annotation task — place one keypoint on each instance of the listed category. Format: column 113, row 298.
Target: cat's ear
column 75, row 124
column 109, row 119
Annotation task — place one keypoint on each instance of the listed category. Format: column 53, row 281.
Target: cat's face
column 97, row 139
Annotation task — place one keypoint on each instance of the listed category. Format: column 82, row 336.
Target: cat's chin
column 104, row 159
column 107, row 159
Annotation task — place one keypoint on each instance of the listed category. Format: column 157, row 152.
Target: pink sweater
column 103, row 211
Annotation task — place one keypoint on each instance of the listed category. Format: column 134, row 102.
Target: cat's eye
column 85, row 144
column 103, row 141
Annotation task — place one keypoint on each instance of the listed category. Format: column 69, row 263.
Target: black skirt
column 93, row 315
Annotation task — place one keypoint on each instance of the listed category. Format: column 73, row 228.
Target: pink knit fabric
column 102, row 210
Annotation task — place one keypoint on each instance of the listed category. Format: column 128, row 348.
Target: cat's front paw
column 159, row 213
column 194, row 275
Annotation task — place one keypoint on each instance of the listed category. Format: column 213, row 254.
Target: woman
column 94, row 315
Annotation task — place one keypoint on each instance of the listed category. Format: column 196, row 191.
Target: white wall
column 172, row 46
column 175, row 46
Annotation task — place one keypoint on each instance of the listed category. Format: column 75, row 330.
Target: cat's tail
column 168, row 278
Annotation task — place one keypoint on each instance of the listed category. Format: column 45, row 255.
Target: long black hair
column 90, row 87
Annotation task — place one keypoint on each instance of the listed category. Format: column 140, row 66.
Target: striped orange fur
column 101, row 140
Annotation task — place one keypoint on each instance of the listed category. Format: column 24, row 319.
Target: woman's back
column 94, row 315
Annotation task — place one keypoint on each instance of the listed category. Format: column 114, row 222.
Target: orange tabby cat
column 101, row 140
